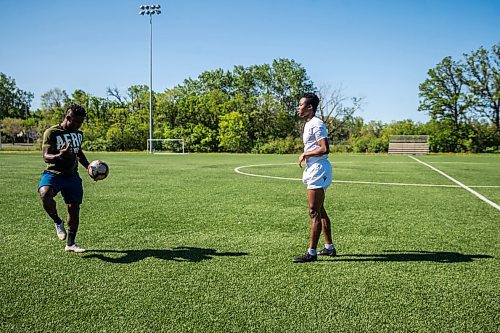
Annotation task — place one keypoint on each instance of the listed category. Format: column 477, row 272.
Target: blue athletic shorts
column 70, row 185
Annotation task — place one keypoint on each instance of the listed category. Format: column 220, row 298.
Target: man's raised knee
column 46, row 192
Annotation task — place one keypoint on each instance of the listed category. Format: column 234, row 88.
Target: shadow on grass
column 189, row 254
column 410, row 256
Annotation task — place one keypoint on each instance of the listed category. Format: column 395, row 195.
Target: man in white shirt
column 317, row 175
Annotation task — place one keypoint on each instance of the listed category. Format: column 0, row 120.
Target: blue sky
column 380, row 50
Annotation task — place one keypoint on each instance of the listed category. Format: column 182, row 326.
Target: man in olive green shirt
column 61, row 150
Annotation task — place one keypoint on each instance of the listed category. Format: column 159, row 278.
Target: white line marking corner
column 480, row 196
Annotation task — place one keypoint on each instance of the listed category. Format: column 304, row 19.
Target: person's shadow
column 189, row 254
column 413, row 256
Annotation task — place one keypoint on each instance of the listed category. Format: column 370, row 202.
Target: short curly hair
column 77, row 110
column 312, row 99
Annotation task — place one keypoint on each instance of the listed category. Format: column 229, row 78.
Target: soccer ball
column 98, row 170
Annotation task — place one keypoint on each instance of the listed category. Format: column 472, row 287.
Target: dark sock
column 56, row 218
column 71, row 237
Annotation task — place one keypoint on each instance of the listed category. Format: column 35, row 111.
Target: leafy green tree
column 483, row 69
column 138, row 126
column 202, row 139
column 369, row 138
column 118, row 133
column 91, row 126
column 129, row 133
column 262, row 79
column 126, row 122
column 97, row 123
column 289, row 82
column 266, row 94
column 268, row 121
column 54, row 99
column 402, row 127
column 441, row 137
column 118, row 137
column 167, row 109
column 53, row 104
column 445, row 97
column 285, row 80
column 29, row 128
column 244, row 81
column 180, row 133
column 201, row 109
column 288, row 145
column 11, row 127
column 486, row 137
column 233, row 132
column 139, row 97
column 216, row 80
column 14, row 102
column 353, row 128
column 373, row 128
column 81, row 98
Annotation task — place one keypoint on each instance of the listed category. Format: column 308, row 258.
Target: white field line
column 488, row 201
column 392, row 184
column 448, row 162
column 401, row 162
column 238, row 170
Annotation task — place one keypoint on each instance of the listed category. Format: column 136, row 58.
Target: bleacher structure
column 408, row 144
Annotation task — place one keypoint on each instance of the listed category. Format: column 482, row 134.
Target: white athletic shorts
column 318, row 175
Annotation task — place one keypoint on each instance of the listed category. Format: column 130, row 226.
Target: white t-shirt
column 314, row 130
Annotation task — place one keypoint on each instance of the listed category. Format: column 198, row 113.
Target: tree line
column 253, row 109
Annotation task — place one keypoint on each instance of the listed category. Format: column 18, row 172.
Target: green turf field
column 185, row 244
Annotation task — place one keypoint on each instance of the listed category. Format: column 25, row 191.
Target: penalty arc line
column 480, row 196
column 237, row 170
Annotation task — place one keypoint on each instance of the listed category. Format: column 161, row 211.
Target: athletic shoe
column 326, row 252
column 74, row 248
column 60, row 231
column 305, row 258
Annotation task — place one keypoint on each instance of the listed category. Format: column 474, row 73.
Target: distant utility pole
column 150, row 10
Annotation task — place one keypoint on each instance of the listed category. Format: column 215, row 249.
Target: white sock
column 329, row 246
column 312, row 252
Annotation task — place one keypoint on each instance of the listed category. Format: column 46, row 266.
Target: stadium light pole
column 150, row 10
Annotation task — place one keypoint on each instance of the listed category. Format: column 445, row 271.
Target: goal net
column 166, row 146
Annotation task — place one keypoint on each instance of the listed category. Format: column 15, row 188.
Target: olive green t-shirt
column 53, row 139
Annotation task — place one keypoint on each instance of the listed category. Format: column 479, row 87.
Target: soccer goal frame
column 152, row 143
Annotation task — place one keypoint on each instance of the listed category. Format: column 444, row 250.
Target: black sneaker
column 326, row 252
column 305, row 258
